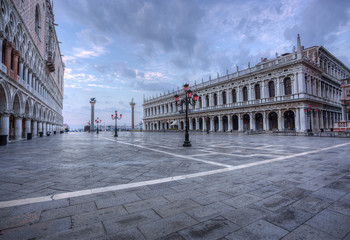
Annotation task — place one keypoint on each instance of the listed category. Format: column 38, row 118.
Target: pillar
column 1, row 42
column 5, row 125
column 197, row 123
column 92, row 102
column 251, row 121
column 40, row 127
column 212, row 124
column 229, row 125
column 265, row 121
column 30, row 78
column 297, row 119
column 27, row 127
column 18, row 128
column 21, row 68
column 280, row 127
column 25, row 77
column 220, row 123
column 204, row 124
column 240, row 124
column 190, row 124
column 34, row 128
column 132, row 104
column 303, row 120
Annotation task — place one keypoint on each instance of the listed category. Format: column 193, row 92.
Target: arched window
column 200, row 102
column 234, row 96
column 207, row 100
column 37, row 20
column 271, row 89
column 245, row 94
column 257, row 91
column 287, row 86
column 223, row 97
column 215, row 99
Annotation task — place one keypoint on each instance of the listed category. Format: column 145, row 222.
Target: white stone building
column 294, row 91
column 31, row 70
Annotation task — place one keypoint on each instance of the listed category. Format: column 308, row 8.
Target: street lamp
column 310, row 111
column 115, row 118
column 189, row 99
column 97, row 121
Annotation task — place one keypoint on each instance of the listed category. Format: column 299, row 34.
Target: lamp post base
column 187, row 144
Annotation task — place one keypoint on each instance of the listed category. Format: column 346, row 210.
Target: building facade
column 31, row 70
column 295, row 91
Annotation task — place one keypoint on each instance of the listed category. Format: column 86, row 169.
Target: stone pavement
column 145, row 185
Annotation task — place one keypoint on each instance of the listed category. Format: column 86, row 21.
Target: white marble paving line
column 172, row 154
column 58, row 196
column 239, row 155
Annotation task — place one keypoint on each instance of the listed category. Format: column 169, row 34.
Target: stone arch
column 225, row 123
column 4, row 11
column 3, row 98
column 289, row 120
column 216, row 123
column 246, row 122
column 16, row 106
column 235, row 122
column 27, row 109
column 273, row 121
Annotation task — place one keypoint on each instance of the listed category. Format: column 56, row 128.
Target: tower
column 92, row 102
column 132, row 104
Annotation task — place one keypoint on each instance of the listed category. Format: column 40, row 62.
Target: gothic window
column 234, row 96
column 287, row 86
column 245, row 94
column 215, row 99
column 223, row 97
column 257, row 91
column 271, row 89
column 37, row 20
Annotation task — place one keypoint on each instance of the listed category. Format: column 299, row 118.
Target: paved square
column 145, row 185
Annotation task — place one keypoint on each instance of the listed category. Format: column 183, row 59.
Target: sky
column 116, row 50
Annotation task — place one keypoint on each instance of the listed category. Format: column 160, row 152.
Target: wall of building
column 295, row 91
column 31, row 69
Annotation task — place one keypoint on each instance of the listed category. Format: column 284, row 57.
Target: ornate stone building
column 31, row 70
column 294, row 91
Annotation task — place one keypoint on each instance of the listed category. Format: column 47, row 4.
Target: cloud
column 321, row 21
column 78, row 77
column 95, row 51
column 102, row 86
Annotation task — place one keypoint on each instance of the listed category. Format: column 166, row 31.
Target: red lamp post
column 97, row 121
column 115, row 118
column 189, row 99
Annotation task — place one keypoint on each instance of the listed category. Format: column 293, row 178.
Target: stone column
column 197, row 123
column 190, row 124
column 1, row 43
column 280, row 127
column 240, row 122
column 204, row 123
column 5, row 125
column 220, row 123
column 263, row 89
column 30, row 78
column 21, row 68
column 252, row 121
column 16, row 54
column 40, row 127
column 27, row 128
column 8, row 49
column 265, row 121
column 212, row 124
column 297, row 120
column 34, row 128
column 25, row 77
column 92, row 102
column 278, row 93
column 18, row 128
column 229, row 125
column 132, row 104
column 303, row 120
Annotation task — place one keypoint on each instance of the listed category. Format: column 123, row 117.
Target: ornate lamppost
column 97, row 121
column 189, row 99
column 115, row 118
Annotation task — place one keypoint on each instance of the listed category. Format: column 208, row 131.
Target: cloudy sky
column 116, row 50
